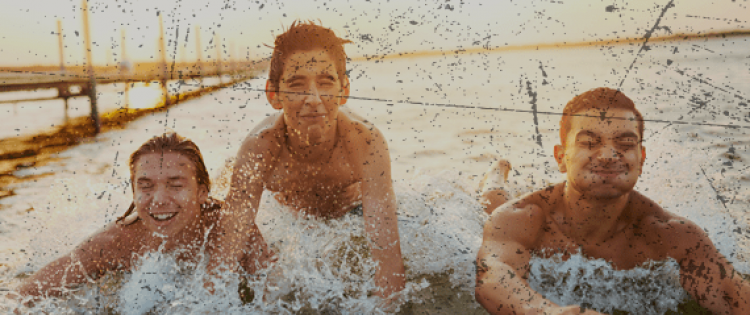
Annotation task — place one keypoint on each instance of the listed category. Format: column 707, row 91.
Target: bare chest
column 626, row 249
column 291, row 174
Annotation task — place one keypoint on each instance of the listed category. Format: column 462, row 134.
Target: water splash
column 653, row 288
column 325, row 266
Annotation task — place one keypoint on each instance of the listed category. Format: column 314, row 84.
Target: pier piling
column 90, row 68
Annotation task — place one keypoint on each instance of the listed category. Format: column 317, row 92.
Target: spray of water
column 325, row 266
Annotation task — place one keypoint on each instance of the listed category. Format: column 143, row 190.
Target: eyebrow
column 586, row 133
column 172, row 178
column 326, row 75
column 294, row 77
column 628, row 134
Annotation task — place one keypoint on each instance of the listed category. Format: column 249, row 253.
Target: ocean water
column 447, row 118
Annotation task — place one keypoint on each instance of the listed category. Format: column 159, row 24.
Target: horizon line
column 472, row 50
column 554, row 45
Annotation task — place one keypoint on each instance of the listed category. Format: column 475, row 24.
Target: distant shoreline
column 80, row 70
column 557, row 45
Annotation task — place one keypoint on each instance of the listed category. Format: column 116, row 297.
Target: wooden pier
column 82, row 81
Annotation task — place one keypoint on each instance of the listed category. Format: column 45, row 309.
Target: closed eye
column 627, row 142
column 144, row 184
column 587, row 143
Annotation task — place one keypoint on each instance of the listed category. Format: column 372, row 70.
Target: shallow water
column 695, row 171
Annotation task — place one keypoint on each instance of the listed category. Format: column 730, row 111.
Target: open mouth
column 163, row 216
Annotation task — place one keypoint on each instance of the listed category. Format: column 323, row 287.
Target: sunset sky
column 28, row 28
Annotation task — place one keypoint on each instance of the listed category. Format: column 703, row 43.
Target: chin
column 604, row 194
column 604, row 191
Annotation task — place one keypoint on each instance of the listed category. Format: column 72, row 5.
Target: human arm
column 379, row 205
column 503, row 263
column 705, row 273
column 106, row 250
column 238, row 238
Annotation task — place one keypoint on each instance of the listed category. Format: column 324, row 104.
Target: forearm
column 715, row 285
column 54, row 279
column 500, row 290
column 739, row 300
column 236, row 227
column 385, row 247
column 390, row 276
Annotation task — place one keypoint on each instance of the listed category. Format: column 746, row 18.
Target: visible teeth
column 164, row 216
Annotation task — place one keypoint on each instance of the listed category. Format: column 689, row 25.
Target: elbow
column 479, row 291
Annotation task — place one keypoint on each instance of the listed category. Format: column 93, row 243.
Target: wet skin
column 597, row 212
column 321, row 161
column 163, row 184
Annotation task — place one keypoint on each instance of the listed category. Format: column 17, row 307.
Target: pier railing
column 82, row 80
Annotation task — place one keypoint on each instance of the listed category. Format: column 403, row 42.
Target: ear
column 345, row 91
column 643, row 157
column 272, row 95
column 560, row 158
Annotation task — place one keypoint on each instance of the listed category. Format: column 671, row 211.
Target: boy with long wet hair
column 171, row 210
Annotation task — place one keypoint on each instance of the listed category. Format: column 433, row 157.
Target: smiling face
column 166, row 193
column 310, row 93
column 603, row 157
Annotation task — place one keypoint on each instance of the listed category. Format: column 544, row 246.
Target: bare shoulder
column 264, row 142
column 109, row 235
column 677, row 233
column 352, row 116
column 654, row 217
column 524, row 219
column 355, row 129
column 110, row 245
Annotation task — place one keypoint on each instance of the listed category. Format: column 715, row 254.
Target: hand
column 388, row 304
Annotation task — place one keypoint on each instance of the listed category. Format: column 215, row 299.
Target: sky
column 28, row 29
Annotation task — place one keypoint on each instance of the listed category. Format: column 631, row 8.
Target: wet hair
column 306, row 36
column 172, row 143
column 599, row 98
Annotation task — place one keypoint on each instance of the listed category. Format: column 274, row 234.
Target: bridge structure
column 83, row 81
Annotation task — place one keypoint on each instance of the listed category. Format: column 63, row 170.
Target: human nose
column 608, row 152
column 313, row 97
column 159, row 196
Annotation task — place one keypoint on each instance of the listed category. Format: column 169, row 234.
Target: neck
column 592, row 220
column 190, row 239
column 311, row 145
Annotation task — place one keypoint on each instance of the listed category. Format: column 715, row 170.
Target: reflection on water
column 699, row 172
column 28, row 118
